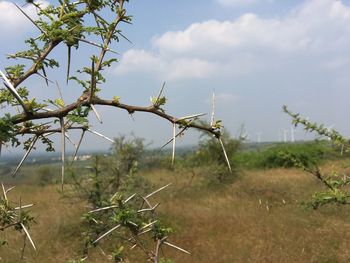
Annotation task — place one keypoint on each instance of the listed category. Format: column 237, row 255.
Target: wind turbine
column 285, row 132
column 292, row 131
column 279, row 136
column 258, row 134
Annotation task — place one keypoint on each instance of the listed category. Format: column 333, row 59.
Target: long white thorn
column 148, row 225
column 70, row 140
column 160, row 93
column 9, row 189
column 95, row 44
column 129, row 198
column 29, row 237
column 158, row 190
column 174, row 144
column 176, row 247
column 25, row 155
column 23, row 206
column 78, row 146
column 96, row 113
column 225, row 154
column 103, row 208
column 148, row 209
column 100, row 135
column 59, row 90
column 31, row 20
column 179, row 133
column 107, row 233
column 45, row 78
column 191, row 116
column 4, row 191
column 12, row 89
column 63, row 149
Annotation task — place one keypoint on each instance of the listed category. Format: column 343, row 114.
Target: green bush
column 210, row 157
column 282, row 155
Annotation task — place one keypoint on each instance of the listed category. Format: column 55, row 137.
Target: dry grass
column 256, row 219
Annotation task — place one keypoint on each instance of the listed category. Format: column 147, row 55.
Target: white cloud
column 136, row 60
column 236, row 3
column 12, row 20
column 319, row 30
column 225, row 99
column 239, row 3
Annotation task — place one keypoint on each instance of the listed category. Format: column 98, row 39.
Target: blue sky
column 257, row 55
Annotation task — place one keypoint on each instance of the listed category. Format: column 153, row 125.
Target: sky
column 256, row 55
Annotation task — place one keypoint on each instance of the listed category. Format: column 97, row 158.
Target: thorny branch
column 147, row 224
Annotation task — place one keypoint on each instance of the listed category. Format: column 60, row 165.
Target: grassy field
column 258, row 218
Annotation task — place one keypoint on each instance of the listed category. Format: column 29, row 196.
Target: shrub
column 307, row 153
column 211, row 158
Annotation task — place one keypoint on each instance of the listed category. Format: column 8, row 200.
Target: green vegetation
column 259, row 217
column 278, row 155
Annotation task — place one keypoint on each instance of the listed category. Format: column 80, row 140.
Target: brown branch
column 317, row 173
column 64, row 111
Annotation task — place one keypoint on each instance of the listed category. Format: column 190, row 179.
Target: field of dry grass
column 256, row 219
